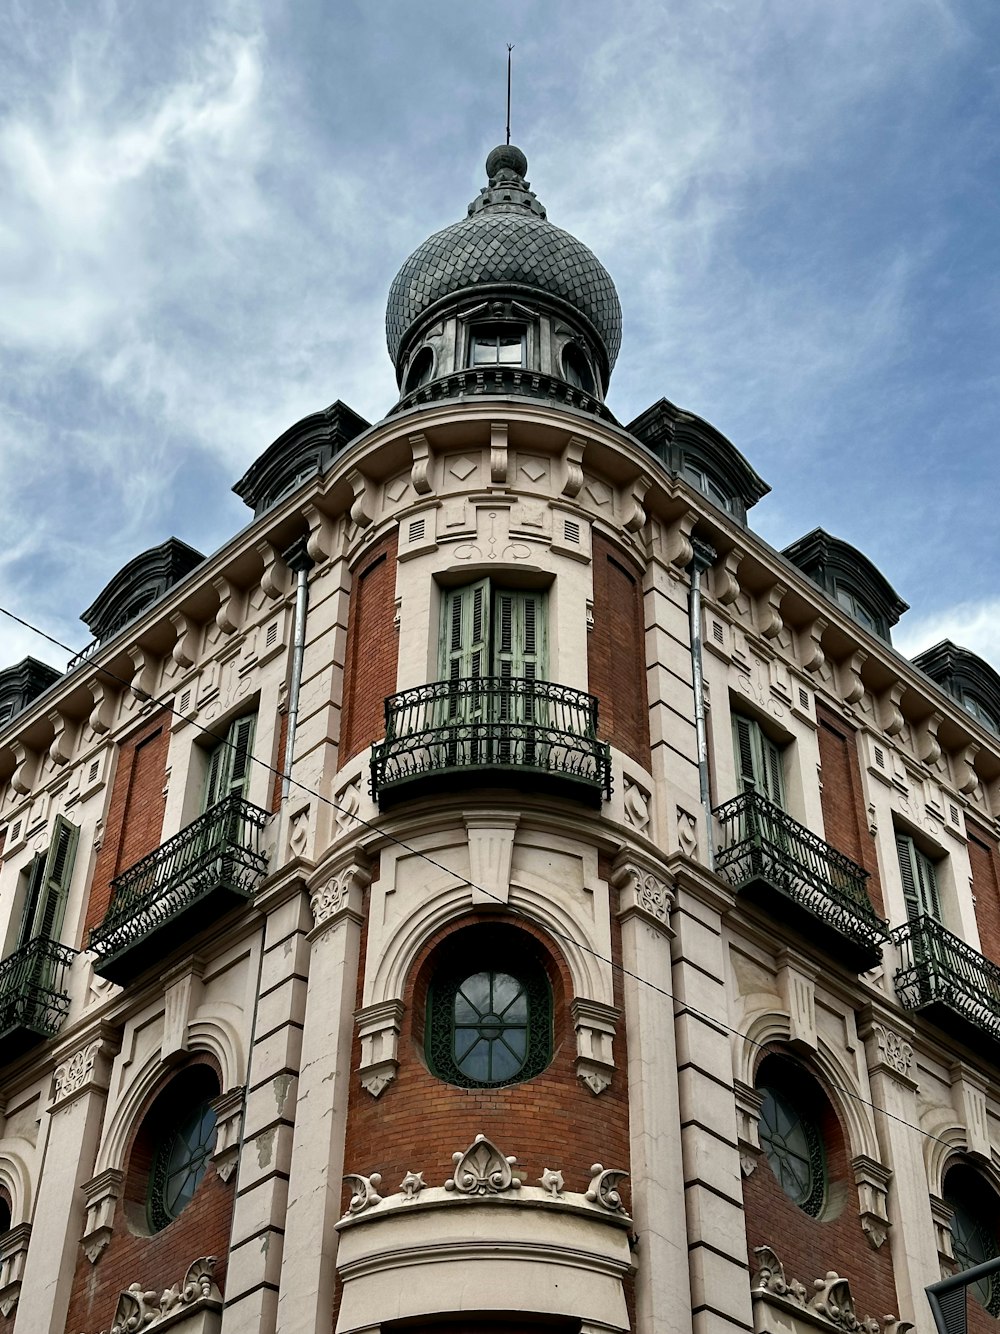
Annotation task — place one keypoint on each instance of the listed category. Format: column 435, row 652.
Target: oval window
column 179, row 1165
column 793, row 1147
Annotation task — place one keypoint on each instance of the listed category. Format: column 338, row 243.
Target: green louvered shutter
column 758, row 761
column 919, row 878
column 55, row 879
column 229, row 762
column 32, row 898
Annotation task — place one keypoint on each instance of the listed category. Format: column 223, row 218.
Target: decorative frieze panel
column 197, row 1293
column 644, row 890
column 827, row 1301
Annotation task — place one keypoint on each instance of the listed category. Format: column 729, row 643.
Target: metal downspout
column 703, row 559
column 297, row 558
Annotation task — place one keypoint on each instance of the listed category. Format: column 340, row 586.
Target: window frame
column 228, row 762
column 497, row 329
column 159, row 1213
column 919, row 878
column 759, row 761
column 812, row 1200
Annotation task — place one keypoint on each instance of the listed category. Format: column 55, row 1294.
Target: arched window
column 421, row 370
column 975, row 1214
column 576, row 368
column 171, row 1153
column 489, row 1009
column 799, row 1133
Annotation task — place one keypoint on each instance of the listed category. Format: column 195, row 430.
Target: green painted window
column 920, row 887
column 793, row 1147
column 487, row 631
column 179, row 1165
column 487, row 1027
column 758, row 760
column 229, row 762
column 49, row 875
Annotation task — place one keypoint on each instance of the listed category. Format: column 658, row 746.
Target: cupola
column 504, row 302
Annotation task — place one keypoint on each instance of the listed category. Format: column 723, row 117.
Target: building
column 497, row 890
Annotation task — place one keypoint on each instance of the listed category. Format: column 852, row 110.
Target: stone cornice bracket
column 228, row 1108
column 63, row 732
column 634, row 517
column 498, row 453
column 337, row 893
column 725, row 577
column 104, row 698
column 644, row 891
column 748, row 1105
column 928, row 746
column 378, row 1030
column 852, row 688
column 144, row 665
column 482, row 1170
column 942, row 1216
column 676, row 540
column 966, row 778
column 276, row 580
column 232, row 604
column 797, row 988
column 185, row 649
column 595, row 1025
column 25, row 765
column 572, row 466
column 811, row 653
column 87, row 1069
column 491, row 851
column 890, row 715
column 102, row 1194
column 321, row 541
column 13, row 1253
column 968, row 1096
column 423, row 457
column 144, row 1310
column 768, row 610
column 360, row 512
column 872, row 1180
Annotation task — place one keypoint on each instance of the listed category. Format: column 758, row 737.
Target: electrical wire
column 464, row 882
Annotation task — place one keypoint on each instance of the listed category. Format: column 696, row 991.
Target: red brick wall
column 984, row 858
column 372, row 649
column 616, row 652
column 135, row 814
column 552, row 1120
column 279, row 763
column 810, row 1247
column 844, row 814
column 156, row 1261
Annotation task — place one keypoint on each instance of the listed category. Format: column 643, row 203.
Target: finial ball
column 509, row 157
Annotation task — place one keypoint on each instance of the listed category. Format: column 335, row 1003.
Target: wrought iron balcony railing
column 33, row 999
column 194, row 875
column 937, row 968
column 506, row 380
column 761, row 844
column 511, row 725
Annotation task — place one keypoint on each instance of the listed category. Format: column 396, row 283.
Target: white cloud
column 971, row 625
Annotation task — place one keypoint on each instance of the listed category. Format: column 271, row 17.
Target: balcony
column 941, row 974
column 33, row 999
column 793, row 872
column 497, row 730
column 179, row 889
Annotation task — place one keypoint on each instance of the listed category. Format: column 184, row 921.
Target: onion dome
column 505, row 246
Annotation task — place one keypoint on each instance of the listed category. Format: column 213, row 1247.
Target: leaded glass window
column 794, row 1148
column 974, row 1245
column 489, row 1027
column 180, row 1164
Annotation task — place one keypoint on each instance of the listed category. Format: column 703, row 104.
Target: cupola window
column 421, row 370
column 974, row 706
column 497, row 345
column 576, row 369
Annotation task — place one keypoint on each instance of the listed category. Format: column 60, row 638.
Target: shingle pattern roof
column 495, row 246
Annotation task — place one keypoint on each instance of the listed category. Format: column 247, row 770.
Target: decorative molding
column 595, row 1032
column 144, row 667
column 966, row 778
column 498, row 452
column 63, row 734
column 552, row 1182
column 360, row 512
column 748, row 1104
column 968, row 1096
column 895, row 1053
column 873, row 1191
column 635, row 511
column 364, row 1191
column 491, row 850
column 338, row 893
column 232, row 604
column 687, row 833
column 852, row 688
column 411, row 1185
column 76, row 1073
column 643, row 891
column 321, row 541
column 23, row 777
column 725, row 577
column 831, row 1304
column 276, row 578
column 482, row 1170
column 572, row 461
column 102, row 1194
column 635, row 800
column 677, row 546
column 378, row 1029
column 603, row 1188
column 928, row 746
column 228, row 1108
column 103, row 706
column 811, row 654
column 797, row 988
column 185, row 649
column 141, row 1310
column 13, row 1253
column 422, row 458
column 768, row 607
column 890, row 716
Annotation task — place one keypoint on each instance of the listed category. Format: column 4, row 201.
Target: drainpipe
column 703, row 559
column 298, row 560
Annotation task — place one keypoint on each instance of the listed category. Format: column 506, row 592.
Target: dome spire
column 507, row 191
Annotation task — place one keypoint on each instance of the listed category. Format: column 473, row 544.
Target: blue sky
column 202, row 206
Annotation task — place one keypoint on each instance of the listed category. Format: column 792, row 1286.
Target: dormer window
column 497, row 345
column 707, row 485
column 858, row 611
column 975, row 706
column 576, row 369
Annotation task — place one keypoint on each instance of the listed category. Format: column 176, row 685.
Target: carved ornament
column 552, row 1182
column 364, row 1191
column 829, row 1298
column 73, row 1074
column 333, row 894
column 894, row 1050
column 603, row 1188
column 143, row 1310
column 648, row 891
column 482, row 1170
column 411, row 1185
